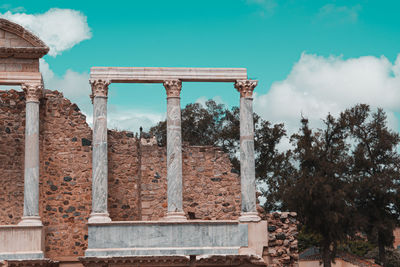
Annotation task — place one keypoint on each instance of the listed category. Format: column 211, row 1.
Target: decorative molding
column 21, row 32
column 246, row 87
column 33, row 92
column 39, row 50
column 99, row 88
column 23, row 52
column 173, row 87
column 32, row 263
column 164, row 261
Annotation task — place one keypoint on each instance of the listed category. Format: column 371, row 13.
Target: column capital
column 33, row 91
column 246, row 87
column 173, row 87
column 99, row 88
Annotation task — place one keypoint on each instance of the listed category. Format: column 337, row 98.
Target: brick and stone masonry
column 136, row 175
column 282, row 239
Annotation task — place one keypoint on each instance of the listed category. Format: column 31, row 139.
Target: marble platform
column 165, row 238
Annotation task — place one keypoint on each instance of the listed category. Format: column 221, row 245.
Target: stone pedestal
column 21, row 242
column 174, row 151
column 247, row 164
column 31, row 217
column 99, row 155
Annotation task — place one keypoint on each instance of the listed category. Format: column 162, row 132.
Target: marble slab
column 158, row 75
column 166, row 238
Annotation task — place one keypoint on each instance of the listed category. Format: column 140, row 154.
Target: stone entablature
column 159, row 75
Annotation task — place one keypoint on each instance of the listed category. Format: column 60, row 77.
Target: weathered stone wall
column 282, row 239
column 211, row 188
column 12, row 143
column 137, row 175
column 65, row 176
column 123, row 176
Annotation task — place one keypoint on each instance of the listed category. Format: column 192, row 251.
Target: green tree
column 375, row 175
column 314, row 182
column 214, row 124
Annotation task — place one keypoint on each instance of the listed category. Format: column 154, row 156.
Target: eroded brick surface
column 211, row 188
column 137, row 175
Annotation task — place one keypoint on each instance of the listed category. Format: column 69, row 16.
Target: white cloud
column 339, row 14
column 202, row 100
column 318, row 85
column 74, row 85
column 267, row 6
column 132, row 120
column 60, row 29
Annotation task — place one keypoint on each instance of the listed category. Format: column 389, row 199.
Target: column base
column 99, row 218
column 30, row 221
column 175, row 216
column 249, row 217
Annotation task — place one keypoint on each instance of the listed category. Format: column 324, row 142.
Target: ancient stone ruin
column 73, row 196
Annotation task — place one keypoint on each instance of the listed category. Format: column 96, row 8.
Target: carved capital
column 246, row 87
column 99, row 88
column 173, row 87
column 33, row 92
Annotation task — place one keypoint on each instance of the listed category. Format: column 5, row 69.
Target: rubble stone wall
column 282, row 239
column 211, row 187
column 137, row 175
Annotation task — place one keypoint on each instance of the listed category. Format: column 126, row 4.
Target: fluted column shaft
column 33, row 92
column 247, row 164
column 174, row 151
column 99, row 154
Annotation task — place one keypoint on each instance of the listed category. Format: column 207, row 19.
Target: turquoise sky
column 266, row 37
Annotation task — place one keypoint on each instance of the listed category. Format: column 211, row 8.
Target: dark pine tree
column 376, row 175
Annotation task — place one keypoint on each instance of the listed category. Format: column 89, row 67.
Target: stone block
column 14, row 67
column 21, row 242
column 166, row 238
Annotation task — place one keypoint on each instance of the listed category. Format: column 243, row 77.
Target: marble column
column 247, row 164
column 33, row 92
column 99, row 154
column 174, row 151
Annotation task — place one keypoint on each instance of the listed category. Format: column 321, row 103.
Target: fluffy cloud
column 74, row 85
column 318, row 85
column 339, row 14
column 131, row 119
column 60, row 29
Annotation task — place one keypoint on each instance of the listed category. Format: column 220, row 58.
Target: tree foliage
column 216, row 125
column 375, row 175
column 342, row 179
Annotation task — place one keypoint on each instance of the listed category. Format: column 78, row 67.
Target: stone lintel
column 19, row 78
column 159, row 75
